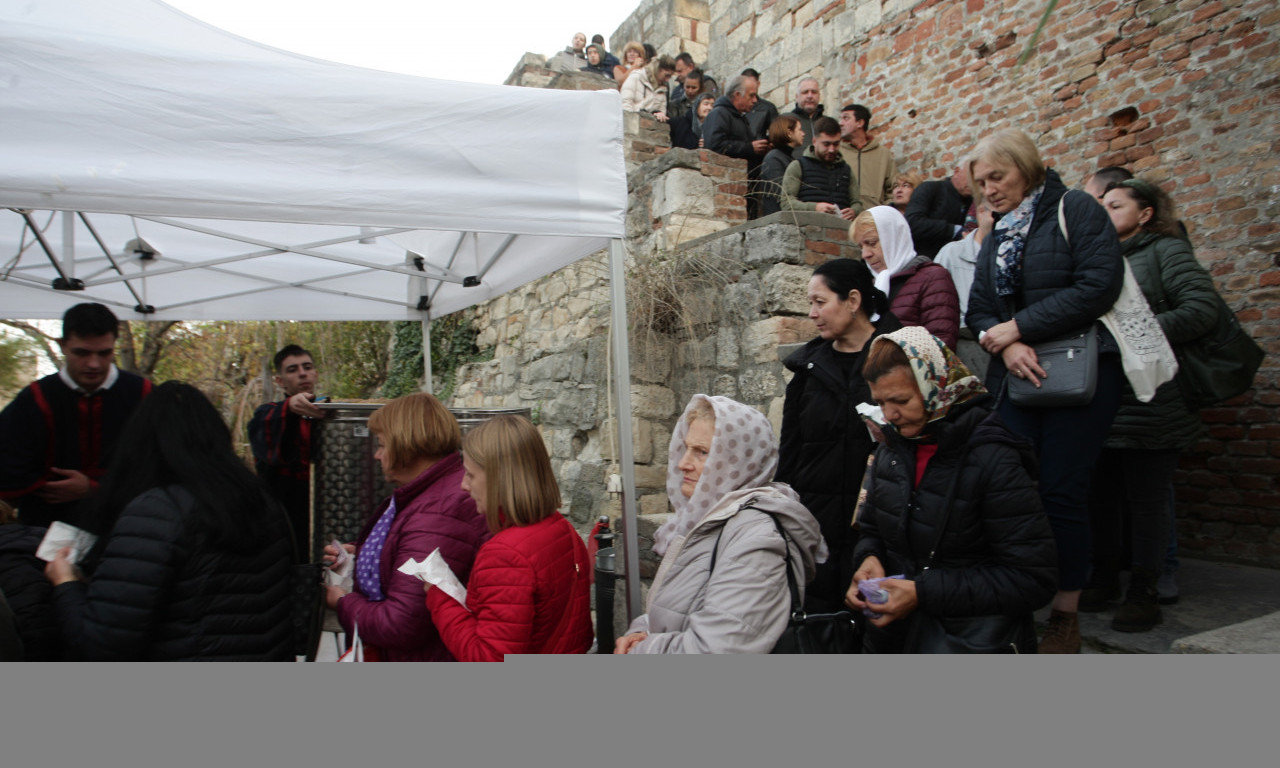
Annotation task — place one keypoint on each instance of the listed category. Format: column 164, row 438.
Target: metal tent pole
column 622, row 394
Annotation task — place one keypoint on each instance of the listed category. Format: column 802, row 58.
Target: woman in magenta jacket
column 418, row 441
column 530, row 587
column 920, row 292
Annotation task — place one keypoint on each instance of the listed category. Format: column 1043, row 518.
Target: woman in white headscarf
column 920, row 292
column 722, row 586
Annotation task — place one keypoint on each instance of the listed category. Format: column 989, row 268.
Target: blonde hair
column 413, row 427
column 519, row 486
column 701, row 410
column 638, row 48
column 911, row 177
column 1009, row 146
column 864, row 221
column 7, row 513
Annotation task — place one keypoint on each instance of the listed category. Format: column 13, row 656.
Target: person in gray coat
column 722, row 584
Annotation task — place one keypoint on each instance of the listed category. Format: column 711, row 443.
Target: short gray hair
column 808, row 79
column 737, row 85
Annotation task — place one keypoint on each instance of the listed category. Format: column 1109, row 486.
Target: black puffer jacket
column 1065, row 287
column 997, row 554
column 727, row 132
column 823, row 451
column 159, row 593
column 28, row 592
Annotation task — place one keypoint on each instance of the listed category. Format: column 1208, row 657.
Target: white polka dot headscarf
column 744, row 454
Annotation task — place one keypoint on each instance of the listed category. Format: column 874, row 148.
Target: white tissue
column 341, row 575
column 62, row 535
column 872, row 412
column 435, row 571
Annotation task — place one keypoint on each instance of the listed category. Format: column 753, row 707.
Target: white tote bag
column 1145, row 353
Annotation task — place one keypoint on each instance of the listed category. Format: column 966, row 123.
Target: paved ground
column 1222, row 608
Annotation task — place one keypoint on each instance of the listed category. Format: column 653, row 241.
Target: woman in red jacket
column 920, row 292
column 418, row 441
column 529, row 590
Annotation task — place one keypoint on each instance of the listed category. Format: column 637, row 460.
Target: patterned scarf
column 368, row 578
column 942, row 378
column 1011, row 238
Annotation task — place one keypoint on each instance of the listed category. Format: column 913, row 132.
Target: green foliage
column 453, row 345
column 17, row 365
column 405, row 374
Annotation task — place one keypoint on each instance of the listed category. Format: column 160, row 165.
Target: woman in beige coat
column 722, row 585
column 646, row 90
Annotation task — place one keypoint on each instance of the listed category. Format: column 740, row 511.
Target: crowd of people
column 909, row 486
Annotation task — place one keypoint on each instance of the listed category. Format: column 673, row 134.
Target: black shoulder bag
column 806, row 632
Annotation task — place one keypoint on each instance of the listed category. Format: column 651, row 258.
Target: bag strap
column 797, row 608
column 948, row 501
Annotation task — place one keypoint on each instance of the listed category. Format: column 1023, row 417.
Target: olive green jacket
column 1180, row 293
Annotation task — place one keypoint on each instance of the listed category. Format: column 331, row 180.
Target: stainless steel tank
column 346, row 481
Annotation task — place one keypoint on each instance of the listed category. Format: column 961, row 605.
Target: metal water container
column 346, row 481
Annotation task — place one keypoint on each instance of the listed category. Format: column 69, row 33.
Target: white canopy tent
column 174, row 171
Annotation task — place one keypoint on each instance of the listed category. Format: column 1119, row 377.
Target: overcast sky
column 450, row 39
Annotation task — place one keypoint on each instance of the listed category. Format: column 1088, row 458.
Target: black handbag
column 1071, row 368
column 837, row 632
column 814, row 632
column 1219, row 365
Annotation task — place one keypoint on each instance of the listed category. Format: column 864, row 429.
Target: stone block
column 774, row 243
column 653, row 505
column 756, row 386
column 651, row 477
column 742, row 300
column 786, row 289
column 775, row 413
column 681, row 228
column 683, row 191
column 567, row 366
column 650, row 401
column 572, row 406
column 641, row 440
column 726, row 347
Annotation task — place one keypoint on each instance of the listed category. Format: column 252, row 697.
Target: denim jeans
column 1068, row 441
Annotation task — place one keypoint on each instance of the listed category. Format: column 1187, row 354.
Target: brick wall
column 1186, row 93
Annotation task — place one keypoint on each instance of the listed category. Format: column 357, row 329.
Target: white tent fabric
column 166, row 166
column 138, row 115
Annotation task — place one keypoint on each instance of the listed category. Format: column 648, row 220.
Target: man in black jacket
column 937, row 212
column 58, row 435
column 807, row 111
column 280, row 435
column 727, row 131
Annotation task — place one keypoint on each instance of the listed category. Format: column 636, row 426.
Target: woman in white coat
column 646, row 90
column 722, row 586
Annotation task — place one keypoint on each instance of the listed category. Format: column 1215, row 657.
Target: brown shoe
column 1062, row 634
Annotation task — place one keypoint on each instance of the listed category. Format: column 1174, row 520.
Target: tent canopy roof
column 162, row 130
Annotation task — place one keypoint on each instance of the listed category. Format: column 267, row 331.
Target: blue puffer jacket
column 1065, row 287
column 159, row 593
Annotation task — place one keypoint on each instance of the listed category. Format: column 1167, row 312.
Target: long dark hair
column 845, row 275
column 176, row 437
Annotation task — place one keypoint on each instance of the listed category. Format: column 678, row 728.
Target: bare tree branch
column 48, row 343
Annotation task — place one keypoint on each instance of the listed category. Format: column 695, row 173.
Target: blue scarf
column 1011, row 238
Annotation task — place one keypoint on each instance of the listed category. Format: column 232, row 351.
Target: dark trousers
column 1068, row 441
column 1137, row 481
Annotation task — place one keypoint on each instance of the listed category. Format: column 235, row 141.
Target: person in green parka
column 1141, row 452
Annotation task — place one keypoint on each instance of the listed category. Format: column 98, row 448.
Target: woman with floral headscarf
column 952, row 512
column 722, row 586
column 920, row 292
